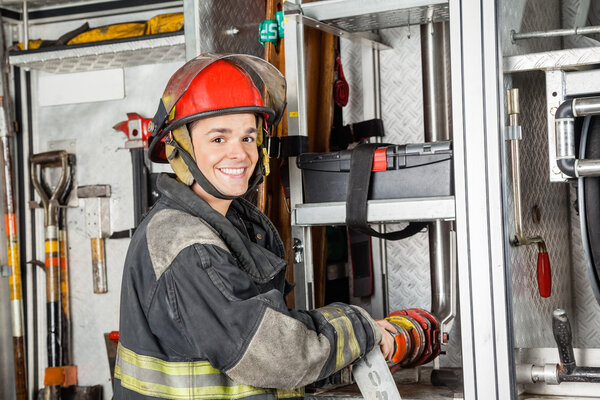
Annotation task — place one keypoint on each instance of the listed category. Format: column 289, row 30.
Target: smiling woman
column 203, row 312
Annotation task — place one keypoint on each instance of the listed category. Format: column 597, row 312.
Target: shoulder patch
column 170, row 231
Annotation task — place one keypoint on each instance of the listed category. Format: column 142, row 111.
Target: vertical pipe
column 438, row 126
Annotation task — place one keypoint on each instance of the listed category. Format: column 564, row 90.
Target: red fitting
column 114, row 336
column 380, row 159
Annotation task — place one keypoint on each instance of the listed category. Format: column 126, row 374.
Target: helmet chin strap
column 257, row 176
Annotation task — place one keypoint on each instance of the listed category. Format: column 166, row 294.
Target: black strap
column 358, row 193
column 286, row 146
column 342, row 136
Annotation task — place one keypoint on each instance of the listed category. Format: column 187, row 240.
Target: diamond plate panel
column 391, row 19
column 402, row 112
column 224, row 31
column 559, row 224
column 531, row 313
column 104, row 56
column 528, row 16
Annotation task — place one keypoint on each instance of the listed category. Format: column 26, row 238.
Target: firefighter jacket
column 203, row 314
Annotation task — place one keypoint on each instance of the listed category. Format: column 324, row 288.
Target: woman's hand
column 387, row 340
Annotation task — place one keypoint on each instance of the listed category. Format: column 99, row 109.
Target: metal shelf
column 361, row 16
column 115, row 54
column 549, row 60
column 378, row 211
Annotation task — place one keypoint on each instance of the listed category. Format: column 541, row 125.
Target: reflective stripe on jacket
column 203, row 314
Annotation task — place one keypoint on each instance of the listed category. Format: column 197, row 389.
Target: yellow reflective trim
column 289, row 393
column 339, row 322
column 352, row 342
column 169, row 392
column 166, row 367
column 339, row 351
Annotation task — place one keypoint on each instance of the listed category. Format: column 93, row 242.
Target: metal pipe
column 564, row 118
column 586, row 106
column 544, row 276
column 25, row 25
column 438, row 127
column 584, row 30
column 567, row 370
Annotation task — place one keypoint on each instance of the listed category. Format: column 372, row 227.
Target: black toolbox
column 399, row 171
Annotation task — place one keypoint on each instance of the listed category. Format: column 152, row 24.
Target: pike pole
column 7, row 135
column 12, row 249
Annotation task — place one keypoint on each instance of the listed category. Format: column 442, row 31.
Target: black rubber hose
column 592, row 197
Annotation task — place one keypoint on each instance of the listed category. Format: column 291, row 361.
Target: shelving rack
column 477, row 204
column 104, row 55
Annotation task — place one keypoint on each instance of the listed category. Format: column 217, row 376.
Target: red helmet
column 210, row 85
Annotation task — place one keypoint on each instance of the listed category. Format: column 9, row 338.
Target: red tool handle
column 544, row 274
column 114, row 336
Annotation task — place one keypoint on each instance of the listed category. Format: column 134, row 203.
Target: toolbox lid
column 396, row 157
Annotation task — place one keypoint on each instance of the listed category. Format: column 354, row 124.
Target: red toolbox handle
column 380, row 159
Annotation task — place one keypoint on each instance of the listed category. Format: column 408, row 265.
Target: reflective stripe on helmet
column 151, row 376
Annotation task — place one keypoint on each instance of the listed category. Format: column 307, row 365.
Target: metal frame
column 475, row 64
column 417, row 209
column 486, row 340
column 297, row 125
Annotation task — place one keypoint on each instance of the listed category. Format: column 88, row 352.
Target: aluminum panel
column 402, row 114
column 528, row 16
column 210, row 27
column 532, row 315
column 559, row 224
column 556, row 59
column 104, row 56
column 392, row 19
column 417, row 209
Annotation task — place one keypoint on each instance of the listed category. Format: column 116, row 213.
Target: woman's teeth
column 232, row 171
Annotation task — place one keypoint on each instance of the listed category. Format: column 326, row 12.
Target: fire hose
column 416, row 342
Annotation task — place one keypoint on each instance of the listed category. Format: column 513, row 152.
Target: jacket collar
column 259, row 263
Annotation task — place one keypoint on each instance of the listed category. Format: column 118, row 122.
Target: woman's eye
column 249, row 139
column 218, row 140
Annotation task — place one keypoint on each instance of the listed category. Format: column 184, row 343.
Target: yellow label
column 266, row 162
column 286, row 20
column 293, row 114
column 14, row 279
column 51, row 246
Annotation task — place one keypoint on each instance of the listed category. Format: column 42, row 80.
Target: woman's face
column 225, row 150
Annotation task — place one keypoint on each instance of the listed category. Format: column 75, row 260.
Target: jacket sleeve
column 252, row 336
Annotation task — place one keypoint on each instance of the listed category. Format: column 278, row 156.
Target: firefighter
column 202, row 299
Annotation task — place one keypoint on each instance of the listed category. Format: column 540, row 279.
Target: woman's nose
column 236, row 150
